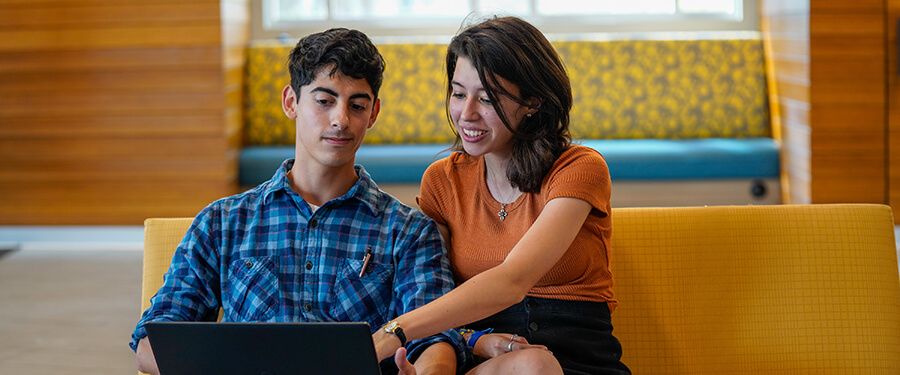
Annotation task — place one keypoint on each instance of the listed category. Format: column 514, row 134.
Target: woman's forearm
column 495, row 289
column 480, row 297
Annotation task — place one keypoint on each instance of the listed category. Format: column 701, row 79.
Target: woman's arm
column 493, row 290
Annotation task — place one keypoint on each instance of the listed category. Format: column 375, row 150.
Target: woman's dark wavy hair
column 512, row 49
column 347, row 51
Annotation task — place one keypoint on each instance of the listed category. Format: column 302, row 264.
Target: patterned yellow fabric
column 267, row 74
column 623, row 89
column 667, row 89
column 788, row 289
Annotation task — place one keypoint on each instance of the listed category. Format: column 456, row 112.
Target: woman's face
column 476, row 121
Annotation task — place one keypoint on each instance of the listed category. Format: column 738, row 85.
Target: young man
column 319, row 241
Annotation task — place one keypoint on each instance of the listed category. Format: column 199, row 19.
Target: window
column 423, row 17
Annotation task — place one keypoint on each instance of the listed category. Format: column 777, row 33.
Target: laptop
column 192, row 348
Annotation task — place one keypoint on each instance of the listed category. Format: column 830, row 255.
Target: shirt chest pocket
column 362, row 298
column 254, row 294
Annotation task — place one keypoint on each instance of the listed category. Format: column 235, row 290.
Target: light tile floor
column 68, row 312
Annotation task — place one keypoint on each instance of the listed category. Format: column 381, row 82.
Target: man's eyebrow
column 334, row 93
column 325, row 90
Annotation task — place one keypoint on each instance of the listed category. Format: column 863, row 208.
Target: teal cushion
column 688, row 159
column 628, row 159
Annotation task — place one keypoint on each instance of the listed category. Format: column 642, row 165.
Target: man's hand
column 403, row 364
column 146, row 362
column 386, row 344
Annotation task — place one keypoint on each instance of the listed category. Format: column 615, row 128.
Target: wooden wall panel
column 828, row 57
column 785, row 27
column 848, row 162
column 893, row 104
column 115, row 111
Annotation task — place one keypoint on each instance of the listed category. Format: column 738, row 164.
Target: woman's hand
column 496, row 344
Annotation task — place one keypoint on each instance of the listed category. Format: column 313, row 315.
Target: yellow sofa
column 806, row 289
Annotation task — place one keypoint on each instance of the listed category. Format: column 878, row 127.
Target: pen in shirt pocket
column 366, row 260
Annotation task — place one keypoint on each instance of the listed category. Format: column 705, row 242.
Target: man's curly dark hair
column 349, row 52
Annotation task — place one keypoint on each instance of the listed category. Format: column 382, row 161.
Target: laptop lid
column 191, row 348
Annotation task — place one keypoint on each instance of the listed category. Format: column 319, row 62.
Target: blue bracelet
column 474, row 338
column 476, row 335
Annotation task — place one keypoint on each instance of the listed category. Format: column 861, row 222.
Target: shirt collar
column 364, row 190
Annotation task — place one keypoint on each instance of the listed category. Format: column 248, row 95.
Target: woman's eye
column 457, row 95
column 485, row 100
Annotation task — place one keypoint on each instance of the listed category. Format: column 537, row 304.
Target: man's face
column 332, row 116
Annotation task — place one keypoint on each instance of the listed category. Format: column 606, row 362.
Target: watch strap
column 393, row 327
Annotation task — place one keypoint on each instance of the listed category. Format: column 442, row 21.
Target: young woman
column 525, row 213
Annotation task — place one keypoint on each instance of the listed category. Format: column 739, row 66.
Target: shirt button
column 249, row 264
column 533, row 326
column 307, row 307
column 313, row 223
column 309, row 265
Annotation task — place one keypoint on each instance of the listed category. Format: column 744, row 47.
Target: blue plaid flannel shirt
column 265, row 256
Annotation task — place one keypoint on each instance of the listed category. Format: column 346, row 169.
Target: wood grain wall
column 828, row 61
column 112, row 111
column 893, row 113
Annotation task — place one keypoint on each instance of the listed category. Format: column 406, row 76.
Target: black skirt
column 578, row 333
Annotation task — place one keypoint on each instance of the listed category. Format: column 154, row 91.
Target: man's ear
column 288, row 102
column 374, row 115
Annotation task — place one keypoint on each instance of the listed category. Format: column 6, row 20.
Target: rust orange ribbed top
column 455, row 193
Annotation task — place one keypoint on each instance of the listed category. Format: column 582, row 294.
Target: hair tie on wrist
column 474, row 338
column 476, row 335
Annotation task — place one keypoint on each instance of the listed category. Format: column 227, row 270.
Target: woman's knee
column 538, row 361
column 521, row 362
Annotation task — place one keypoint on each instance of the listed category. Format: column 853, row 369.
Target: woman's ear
column 534, row 103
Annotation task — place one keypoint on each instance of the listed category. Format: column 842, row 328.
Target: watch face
column 391, row 326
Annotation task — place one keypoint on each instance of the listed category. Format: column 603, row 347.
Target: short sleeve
column 433, row 194
column 580, row 172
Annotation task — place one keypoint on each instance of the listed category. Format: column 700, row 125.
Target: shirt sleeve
column 423, row 275
column 191, row 284
column 432, row 191
column 582, row 173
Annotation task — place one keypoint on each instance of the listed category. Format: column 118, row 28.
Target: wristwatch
column 393, row 328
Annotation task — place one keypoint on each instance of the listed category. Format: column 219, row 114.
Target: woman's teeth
column 473, row 133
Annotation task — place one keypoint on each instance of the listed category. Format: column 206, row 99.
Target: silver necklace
column 502, row 214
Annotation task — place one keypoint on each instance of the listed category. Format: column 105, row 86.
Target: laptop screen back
column 183, row 348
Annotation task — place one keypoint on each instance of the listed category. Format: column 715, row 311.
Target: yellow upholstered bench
column 807, row 289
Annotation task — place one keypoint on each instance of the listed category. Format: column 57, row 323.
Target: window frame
column 429, row 28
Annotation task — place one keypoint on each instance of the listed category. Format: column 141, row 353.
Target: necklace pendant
column 502, row 212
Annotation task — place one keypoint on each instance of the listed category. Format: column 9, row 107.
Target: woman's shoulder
column 455, row 163
column 578, row 156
